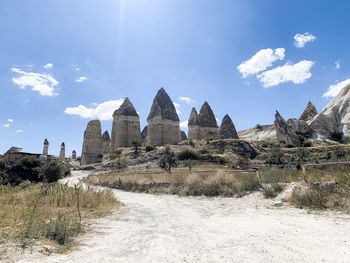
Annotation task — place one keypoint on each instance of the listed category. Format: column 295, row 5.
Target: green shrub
column 168, row 160
column 149, row 148
column 313, row 198
column 27, row 168
column 187, row 154
column 273, row 190
column 62, row 229
column 53, row 170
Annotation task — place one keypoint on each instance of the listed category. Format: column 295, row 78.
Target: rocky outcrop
column 106, row 148
column 309, row 112
column 334, row 120
column 227, row 129
column 92, row 145
column 74, row 155
column 46, row 147
column 63, row 151
column 284, row 133
column 163, row 121
column 204, row 125
column 191, row 127
column 239, row 147
column 144, row 134
column 126, row 126
column 183, row 136
column 301, row 127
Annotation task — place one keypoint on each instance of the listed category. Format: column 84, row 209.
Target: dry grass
column 32, row 212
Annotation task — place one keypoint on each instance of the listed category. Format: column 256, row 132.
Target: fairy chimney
column 227, row 129
column 92, row 145
column 46, row 147
column 63, row 151
column 106, row 142
column 204, row 126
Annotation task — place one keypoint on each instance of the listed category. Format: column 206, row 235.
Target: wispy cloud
column 334, row 89
column 10, row 120
column 337, row 64
column 19, row 131
column 184, row 124
column 48, row 66
column 103, row 111
column 42, row 83
column 81, row 79
column 300, row 40
column 188, row 100
column 7, row 125
column 297, row 73
column 262, row 60
column 177, row 107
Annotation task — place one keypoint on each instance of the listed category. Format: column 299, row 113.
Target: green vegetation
column 167, row 161
column 271, row 191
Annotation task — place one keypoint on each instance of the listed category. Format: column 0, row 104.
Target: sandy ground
column 181, row 229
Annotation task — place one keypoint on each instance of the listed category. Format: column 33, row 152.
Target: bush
column 187, row 155
column 27, row 168
column 168, row 160
column 54, row 170
column 62, row 229
column 273, row 190
column 149, row 148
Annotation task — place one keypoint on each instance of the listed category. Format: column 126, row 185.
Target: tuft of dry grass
column 52, row 212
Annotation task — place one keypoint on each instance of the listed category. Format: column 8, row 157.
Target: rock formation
column 183, row 136
column 309, row 112
column 163, row 121
column 126, row 126
column 227, row 129
column 63, row 151
column 74, row 155
column 239, row 147
column 204, row 126
column 191, row 127
column 144, row 134
column 106, row 142
column 46, row 147
column 334, row 120
column 285, row 133
column 301, row 127
column 92, row 145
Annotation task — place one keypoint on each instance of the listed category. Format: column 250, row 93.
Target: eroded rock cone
column 204, row 126
column 191, row 127
column 183, row 136
column 285, row 133
column 144, row 134
column 334, row 120
column 309, row 112
column 106, row 142
column 126, row 126
column 63, row 151
column 227, row 129
column 92, row 145
column 163, row 121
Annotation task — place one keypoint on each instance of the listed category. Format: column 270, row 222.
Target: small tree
column 168, row 161
column 136, row 145
column 275, row 155
column 302, row 155
column 189, row 164
column 53, row 170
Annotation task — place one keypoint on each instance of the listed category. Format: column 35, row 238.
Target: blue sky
column 60, row 54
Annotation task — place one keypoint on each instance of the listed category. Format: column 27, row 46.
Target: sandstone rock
column 239, row 147
column 301, row 127
column 163, row 121
column 46, row 147
column 126, row 126
column 92, row 145
column 227, row 129
column 285, row 133
column 106, row 142
column 309, row 112
column 144, row 134
column 335, row 117
column 183, row 136
column 204, row 125
column 74, row 155
column 191, row 127
column 63, row 151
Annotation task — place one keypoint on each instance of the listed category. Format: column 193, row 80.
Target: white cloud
column 102, row 111
column 7, row 125
column 19, row 131
column 302, row 39
column 10, row 120
column 337, row 64
column 81, row 79
column 177, row 107
column 263, row 59
column 297, row 73
column 43, row 83
column 333, row 90
column 48, row 66
column 186, row 99
column 184, row 124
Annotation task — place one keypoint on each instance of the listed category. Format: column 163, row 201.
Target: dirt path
column 181, row 229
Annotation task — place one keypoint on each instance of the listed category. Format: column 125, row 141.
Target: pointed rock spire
column 106, row 137
column 285, row 133
column 163, row 107
column 206, row 117
column 46, row 147
column 126, row 126
column 92, row 145
column 227, row 129
column 309, row 112
column 193, row 116
column 163, row 121
column 106, row 142
column 63, row 151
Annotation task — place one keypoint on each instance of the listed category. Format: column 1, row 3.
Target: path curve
column 167, row 228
